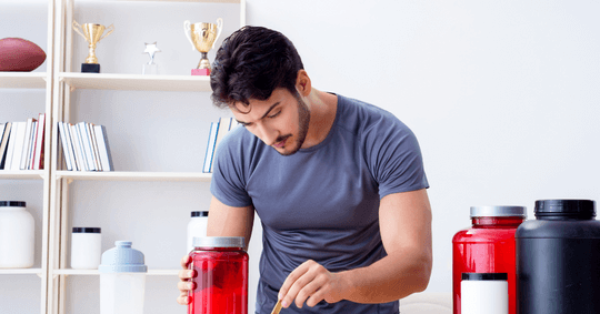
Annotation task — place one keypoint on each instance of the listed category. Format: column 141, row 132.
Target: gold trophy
column 203, row 37
column 92, row 33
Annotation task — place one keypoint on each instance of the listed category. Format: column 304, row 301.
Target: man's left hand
column 311, row 283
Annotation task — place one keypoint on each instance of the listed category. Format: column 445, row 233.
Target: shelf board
column 22, row 174
column 206, row 1
column 23, row 79
column 20, row 271
column 151, row 272
column 134, row 176
column 169, row 83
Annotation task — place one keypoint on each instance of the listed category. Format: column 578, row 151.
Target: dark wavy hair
column 251, row 63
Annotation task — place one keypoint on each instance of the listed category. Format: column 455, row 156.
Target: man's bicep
column 229, row 221
column 405, row 223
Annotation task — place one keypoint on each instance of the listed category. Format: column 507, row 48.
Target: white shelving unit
column 67, row 80
column 25, row 82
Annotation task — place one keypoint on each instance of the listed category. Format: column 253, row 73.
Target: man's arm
column 405, row 223
column 223, row 221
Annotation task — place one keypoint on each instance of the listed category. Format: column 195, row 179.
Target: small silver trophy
column 150, row 68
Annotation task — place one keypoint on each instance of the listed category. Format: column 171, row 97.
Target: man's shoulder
column 363, row 118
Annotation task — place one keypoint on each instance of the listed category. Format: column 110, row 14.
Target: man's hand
column 185, row 285
column 311, row 283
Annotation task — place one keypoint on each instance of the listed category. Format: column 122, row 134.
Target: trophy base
column 90, row 68
column 204, row 72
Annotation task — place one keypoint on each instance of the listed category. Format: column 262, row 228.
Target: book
column 103, row 148
column 86, row 143
column 92, row 135
column 11, row 146
column 4, row 143
column 78, row 147
column 76, row 164
column 29, row 156
column 26, row 145
column 65, row 146
column 210, row 147
column 223, row 130
column 38, row 156
column 18, row 139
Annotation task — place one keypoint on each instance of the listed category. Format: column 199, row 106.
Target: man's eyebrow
column 264, row 115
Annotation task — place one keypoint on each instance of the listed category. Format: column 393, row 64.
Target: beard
column 303, row 122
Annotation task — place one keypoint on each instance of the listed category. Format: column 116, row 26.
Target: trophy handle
column 110, row 29
column 77, row 27
column 187, row 31
column 220, row 27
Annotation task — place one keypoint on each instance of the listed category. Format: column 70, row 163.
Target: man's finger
column 308, row 290
column 185, row 261
column 185, row 287
column 186, row 274
column 290, row 280
column 183, row 299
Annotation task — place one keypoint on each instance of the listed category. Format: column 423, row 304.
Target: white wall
column 503, row 97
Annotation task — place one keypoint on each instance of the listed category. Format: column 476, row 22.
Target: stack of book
column 22, row 144
column 85, row 147
column 218, row 130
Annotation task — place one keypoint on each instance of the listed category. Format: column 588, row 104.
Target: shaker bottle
column 122, row 280
column 221, row 284
column 487, row 247
column 196, row 228
column 484, row 293
column 17, row 240
column 85, row 248
column 558, row 259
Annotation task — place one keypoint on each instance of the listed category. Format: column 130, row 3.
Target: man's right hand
column 185, row 285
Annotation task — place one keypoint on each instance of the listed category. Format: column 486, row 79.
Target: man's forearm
column 389, row 279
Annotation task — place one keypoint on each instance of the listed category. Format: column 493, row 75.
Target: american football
column 17, row 54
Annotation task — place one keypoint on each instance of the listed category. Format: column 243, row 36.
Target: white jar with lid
column 17, row 235
column 196, row 228
column 86, row 248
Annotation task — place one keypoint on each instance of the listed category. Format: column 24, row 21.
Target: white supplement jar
column 196, row 228
column 86, row 248
column 17, row 235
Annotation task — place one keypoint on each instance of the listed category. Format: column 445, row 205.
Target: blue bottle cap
column 122, row 259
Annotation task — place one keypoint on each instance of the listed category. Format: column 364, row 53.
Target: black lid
column 200, row 214
column 12, row 204
column 86, row 230
column 484, row 276
column 562, row 207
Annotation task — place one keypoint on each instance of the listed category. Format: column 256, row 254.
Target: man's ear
column 303, row 84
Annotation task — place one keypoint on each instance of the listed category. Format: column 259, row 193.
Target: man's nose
column 267, row 135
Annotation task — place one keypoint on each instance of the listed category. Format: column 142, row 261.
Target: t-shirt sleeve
column 228, row 182
column 395, row 158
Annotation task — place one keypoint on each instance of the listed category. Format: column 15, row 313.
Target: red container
column 487, row 247
column 222, row 280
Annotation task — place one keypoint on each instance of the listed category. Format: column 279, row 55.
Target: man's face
column 280, row 121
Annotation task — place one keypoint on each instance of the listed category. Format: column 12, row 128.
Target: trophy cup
column 151, row 67
column 92, row 33
column 203, row 36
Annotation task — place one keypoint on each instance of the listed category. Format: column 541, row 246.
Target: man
column 338, row 184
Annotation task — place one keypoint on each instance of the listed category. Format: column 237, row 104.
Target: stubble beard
column 303, row 122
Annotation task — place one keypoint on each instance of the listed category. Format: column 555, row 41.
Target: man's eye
column 275, row 115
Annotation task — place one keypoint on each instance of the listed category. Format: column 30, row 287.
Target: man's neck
column 323, row 108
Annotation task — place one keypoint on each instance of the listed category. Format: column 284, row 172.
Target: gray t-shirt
column 321, row 203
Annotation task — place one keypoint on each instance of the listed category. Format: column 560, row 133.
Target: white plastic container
column 17, row 235
column 196, row 228
column 484, row 293
column 122, row 280
column 86, row 248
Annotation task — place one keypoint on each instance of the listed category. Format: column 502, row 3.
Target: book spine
column 87, row 145
column 78, row 147
column 4, row 143
column 212, row 139
column 103, row 148
column 92, row 135
column 12, row 141
column 71, row 147
column 38, row 162
column 29, row 160
column 65, row 146
column 18, row 149
column 26, row 145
